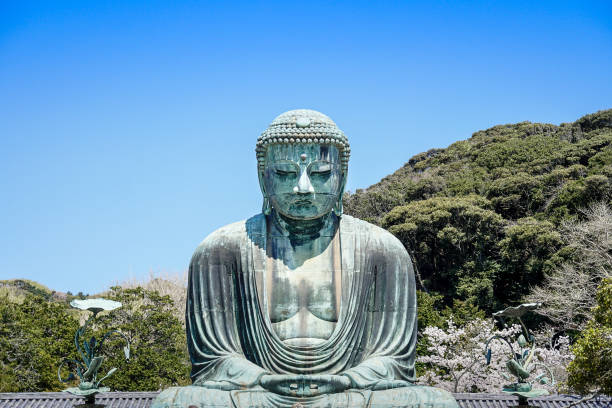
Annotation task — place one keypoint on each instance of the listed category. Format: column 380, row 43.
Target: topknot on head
column 302, row 126
column 293, row 116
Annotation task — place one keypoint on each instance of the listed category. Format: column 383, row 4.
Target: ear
column 266, row 208
column 338, row 206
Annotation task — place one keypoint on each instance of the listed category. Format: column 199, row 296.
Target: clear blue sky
column 127, row 129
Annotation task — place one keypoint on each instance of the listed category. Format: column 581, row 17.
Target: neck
column 305, row 230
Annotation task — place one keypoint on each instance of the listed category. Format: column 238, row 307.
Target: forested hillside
column 485, row 218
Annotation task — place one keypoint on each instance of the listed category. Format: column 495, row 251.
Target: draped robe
column 231, row 340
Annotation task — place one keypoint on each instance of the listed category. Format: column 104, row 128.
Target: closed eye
column 282, row 172
column 320, row 169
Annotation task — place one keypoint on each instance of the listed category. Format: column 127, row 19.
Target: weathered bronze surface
column 301, row 305
column 520, row 364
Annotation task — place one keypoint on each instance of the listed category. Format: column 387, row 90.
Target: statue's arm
column 217, row 358
column 377, row 373
column 392, row 333
column 232, row 373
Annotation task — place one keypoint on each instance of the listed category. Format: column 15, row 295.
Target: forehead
column 313, row 151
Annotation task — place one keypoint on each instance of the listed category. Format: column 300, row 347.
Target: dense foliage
column 591, row 370
column 483, row 217
column 36, row 333
column 159, row 347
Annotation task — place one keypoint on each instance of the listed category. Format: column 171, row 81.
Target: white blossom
column 456, row 357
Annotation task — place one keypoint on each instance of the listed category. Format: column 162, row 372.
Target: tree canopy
column 483, row 218
column 591, row 370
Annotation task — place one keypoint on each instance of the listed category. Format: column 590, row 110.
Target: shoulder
column 230, row 237
column 376, row 236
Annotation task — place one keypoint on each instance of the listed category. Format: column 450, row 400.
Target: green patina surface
column 301, row 305
column 520, row 363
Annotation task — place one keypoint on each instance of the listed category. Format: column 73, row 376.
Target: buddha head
column 302, row 162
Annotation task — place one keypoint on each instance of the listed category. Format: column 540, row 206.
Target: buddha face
column 303, row 181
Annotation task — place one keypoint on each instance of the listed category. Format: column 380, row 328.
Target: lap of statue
column 404, row 397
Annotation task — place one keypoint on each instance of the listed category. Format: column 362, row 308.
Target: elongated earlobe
column 338, row 207
column 266, row 208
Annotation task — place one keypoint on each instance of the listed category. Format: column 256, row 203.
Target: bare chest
column 303, row 291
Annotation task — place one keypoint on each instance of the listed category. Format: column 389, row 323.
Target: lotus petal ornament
column 517, row 311
column 95, row 305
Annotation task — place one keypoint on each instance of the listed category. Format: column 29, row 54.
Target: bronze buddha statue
column 301, row 305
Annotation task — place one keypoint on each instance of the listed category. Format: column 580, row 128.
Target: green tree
column 516, row 196
column 159, row 356
column 35, row 336
column 591, row 370
column 453, row 241
column 528, row 252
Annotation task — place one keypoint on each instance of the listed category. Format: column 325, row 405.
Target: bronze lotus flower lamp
column 90, row 351
column 520, row 365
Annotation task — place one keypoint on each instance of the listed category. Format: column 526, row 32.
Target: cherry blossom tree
column 568, row 293
column 457, row 363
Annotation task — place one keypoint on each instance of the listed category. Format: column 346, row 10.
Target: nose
column 303, row 186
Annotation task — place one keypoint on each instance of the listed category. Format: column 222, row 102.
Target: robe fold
column 230, row 336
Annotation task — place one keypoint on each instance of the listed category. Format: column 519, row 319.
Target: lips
column 303, row 201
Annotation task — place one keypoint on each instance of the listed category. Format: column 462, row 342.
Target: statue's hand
column 304, row 385
column 221, row 385
column 389, row 384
